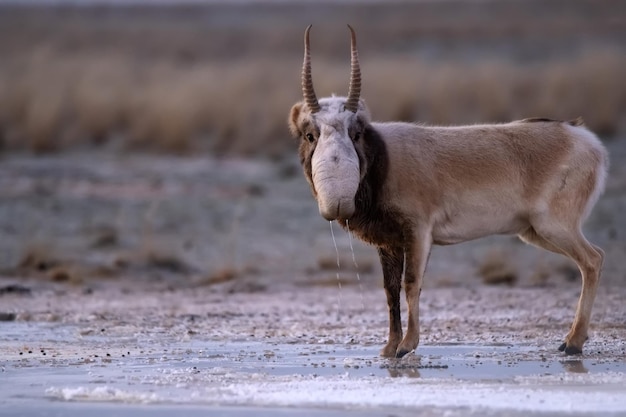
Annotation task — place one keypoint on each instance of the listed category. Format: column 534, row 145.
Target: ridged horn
column 354, row 92
column 307, row 81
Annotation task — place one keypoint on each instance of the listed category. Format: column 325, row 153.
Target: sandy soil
column 515, row 316
column 252, row 224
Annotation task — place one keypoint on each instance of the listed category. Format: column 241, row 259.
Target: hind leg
column 589, row 258
column 591, row 276
column 531, row 237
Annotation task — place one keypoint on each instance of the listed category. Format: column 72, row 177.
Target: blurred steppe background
column 150, row 140
column 222, row 76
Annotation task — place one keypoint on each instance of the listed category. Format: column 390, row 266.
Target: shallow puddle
column 44, row 363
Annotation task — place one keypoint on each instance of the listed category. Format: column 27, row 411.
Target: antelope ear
column 294, row 115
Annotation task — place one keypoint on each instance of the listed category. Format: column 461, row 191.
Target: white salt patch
column 574, row 379
column 404, row 392
column 102, row 393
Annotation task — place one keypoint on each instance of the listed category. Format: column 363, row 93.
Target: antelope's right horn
column 307, row 81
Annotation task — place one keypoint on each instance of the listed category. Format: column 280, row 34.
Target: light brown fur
column 538, row 180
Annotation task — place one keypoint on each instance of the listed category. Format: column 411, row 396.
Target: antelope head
column 331, row 132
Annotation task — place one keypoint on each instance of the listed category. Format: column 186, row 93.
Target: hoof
column 570, row 350
column 388, row 352
column 401, row 352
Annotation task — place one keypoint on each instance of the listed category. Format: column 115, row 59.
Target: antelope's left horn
column 354, row 92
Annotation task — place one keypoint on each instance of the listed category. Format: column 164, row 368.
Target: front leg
column 416, row 259
column 392, row 261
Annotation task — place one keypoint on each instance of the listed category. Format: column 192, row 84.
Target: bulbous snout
column 341, row 209
column 335, row 176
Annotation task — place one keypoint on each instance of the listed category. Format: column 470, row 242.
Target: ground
column 139, row 283
column 484, row 351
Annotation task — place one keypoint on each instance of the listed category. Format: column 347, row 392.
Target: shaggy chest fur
column 377, row 227
column 374, row 221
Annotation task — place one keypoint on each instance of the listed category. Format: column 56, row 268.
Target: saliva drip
column 332, row 233
column 356, row 266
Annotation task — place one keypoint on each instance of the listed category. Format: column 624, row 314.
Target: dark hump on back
column 540, row 120
column 575, row 122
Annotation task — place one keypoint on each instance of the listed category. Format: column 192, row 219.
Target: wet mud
column 262, row 354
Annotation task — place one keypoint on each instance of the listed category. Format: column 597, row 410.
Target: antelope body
column 404, row 187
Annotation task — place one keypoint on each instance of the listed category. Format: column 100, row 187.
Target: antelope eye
column 310, row 137
column 357, row 136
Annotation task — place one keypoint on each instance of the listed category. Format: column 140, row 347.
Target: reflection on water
column 575, row 366
column 410, row 366
column 468, row 362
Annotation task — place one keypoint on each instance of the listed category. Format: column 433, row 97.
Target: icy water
column 51, row 369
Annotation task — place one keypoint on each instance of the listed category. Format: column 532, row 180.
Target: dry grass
column 164, row 80
column 166, row 108
column 589, row 85
column 329, row 263
column 219, row 276
column 541, row 273
column 496, row 269
column 40, row 261
column 39, row 258
column 243, row 109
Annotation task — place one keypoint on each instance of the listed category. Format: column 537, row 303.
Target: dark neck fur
column 374, row 221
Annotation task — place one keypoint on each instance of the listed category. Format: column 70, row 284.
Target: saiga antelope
column 404, row 187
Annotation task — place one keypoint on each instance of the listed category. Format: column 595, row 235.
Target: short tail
column 576, row 122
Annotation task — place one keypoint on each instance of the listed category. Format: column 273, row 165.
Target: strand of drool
column 404, row 265
column 356, row 266
column 332, row 233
